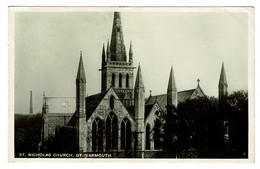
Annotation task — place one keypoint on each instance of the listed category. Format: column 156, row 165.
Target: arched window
column 157, row 134
column 126, row 135
column 111, row 132
column 147, row 137
column 57, row 131
column 120, row 80
column 113, row 80
column 97, row 135
column 127, row 81
column 112, row 102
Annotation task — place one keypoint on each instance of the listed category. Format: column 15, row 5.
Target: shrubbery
column 27, row 133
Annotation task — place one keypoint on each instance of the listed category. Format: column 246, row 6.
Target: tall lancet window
column 111, row 132
column 120, row 80
column 112, row 102
column 157, row 134
column 127, row 81
column 126, row 135
column 97, row 135
column 147, row 137
column 113, row 80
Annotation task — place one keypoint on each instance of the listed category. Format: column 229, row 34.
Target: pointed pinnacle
column 81, row 71
column 223, row 78
column 139, row 79
column 130, row 49
column 103, row 55
column 171, row 83
column 108, row 49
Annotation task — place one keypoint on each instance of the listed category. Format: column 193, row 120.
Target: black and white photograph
column 132, row 83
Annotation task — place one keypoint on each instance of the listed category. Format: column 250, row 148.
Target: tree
column 238, row 121
column 208, row 128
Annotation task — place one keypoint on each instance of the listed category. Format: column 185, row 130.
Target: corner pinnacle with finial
column 81, row 78
column 139, row 79
column 171, row 83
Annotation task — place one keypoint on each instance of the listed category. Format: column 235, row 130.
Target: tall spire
column 139, row 79
column 131, row 53
column 172, row 95
column 103, row 56
column 117, row 47
column 222, row 85
column 81, row 78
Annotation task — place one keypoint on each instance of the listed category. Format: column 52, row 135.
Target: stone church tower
column 222, row 85
column 116, row 70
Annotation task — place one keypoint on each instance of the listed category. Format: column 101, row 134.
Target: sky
column 48, row 44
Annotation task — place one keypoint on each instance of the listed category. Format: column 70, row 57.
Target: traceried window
column 126, row 135
column 97, row 135
column 111, row 132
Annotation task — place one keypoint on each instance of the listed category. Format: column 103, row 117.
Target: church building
column 119, row 118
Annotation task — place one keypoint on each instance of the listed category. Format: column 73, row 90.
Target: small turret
column 80, row 106
column 139, row 106
column 80, row 88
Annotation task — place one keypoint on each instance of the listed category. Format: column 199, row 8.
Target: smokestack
column 31, row 103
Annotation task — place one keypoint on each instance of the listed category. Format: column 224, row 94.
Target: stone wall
column 51, row 121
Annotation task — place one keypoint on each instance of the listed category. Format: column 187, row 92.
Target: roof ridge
column 187, row 90
column 96, row 94
column 178, row 92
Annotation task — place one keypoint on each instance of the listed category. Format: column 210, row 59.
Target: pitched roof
column 92, row 102
column 162, row 99
column 147, row 110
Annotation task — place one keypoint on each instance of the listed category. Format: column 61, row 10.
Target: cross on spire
column 198, row 80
